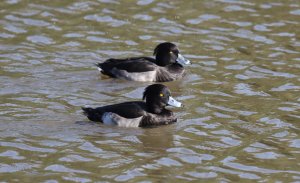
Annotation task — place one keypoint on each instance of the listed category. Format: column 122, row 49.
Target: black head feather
column 164, row 47
column 165, row 53
column 153, row 90
column 157, row 97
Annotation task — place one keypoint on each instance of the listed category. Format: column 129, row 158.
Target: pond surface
column 242, row 101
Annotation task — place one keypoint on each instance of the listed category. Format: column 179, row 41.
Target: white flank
column 135, row 76
column 107, row 118
column 110, row 118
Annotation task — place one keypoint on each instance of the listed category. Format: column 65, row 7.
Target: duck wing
column 135, row 64
column 125, row 110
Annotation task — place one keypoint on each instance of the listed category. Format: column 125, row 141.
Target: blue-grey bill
column 183, row 61
column 174, row 102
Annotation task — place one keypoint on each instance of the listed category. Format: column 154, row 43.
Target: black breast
column 170, row 73
column 164, row 118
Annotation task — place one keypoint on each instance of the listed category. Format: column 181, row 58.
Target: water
column 241, row 117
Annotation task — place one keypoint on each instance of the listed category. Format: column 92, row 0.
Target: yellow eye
column 171, row 52
column 161, row 94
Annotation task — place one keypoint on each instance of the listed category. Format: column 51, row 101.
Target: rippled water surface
column 242, row 104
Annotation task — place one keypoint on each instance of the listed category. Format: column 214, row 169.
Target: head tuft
column 154, row 89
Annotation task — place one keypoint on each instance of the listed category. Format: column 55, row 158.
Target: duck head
column 167, row 53
column 157, row 97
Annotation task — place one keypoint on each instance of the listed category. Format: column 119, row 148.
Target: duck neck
column 175, row 67
column 154, row 107
column 163, row 59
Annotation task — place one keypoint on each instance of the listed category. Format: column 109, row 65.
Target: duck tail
column 90, row 113
column 99, row 67
column 87, row 110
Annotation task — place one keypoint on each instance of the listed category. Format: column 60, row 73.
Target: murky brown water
column 242, row 114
